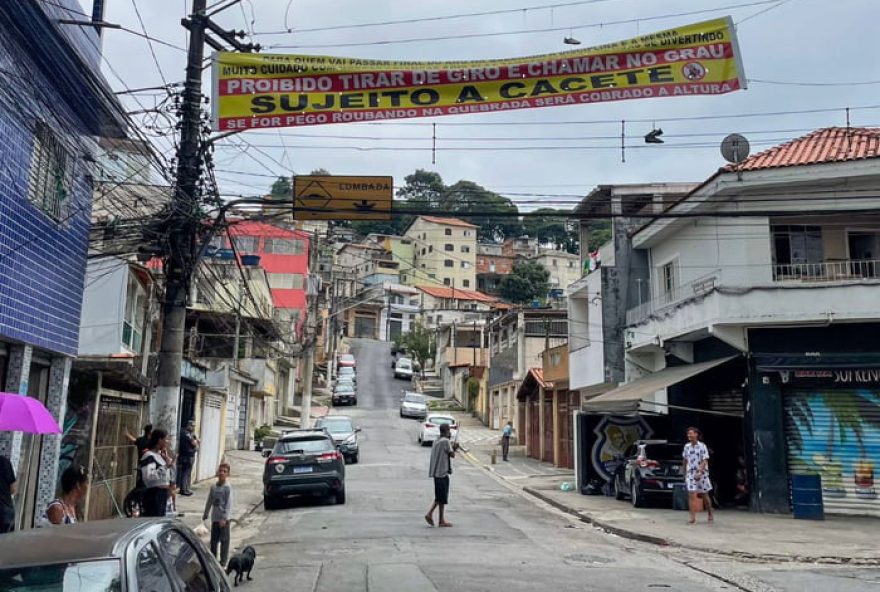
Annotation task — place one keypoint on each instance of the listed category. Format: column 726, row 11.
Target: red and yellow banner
column 253, row 91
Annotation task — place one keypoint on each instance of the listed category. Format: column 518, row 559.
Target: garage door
column 365, row 327
column 836, row 434
column 211, row 447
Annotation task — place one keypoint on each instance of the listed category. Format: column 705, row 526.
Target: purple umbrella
column 19, row 413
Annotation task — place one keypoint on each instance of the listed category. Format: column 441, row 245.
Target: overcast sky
column 814, row 42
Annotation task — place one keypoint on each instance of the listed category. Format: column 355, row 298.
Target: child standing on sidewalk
column 220, row 504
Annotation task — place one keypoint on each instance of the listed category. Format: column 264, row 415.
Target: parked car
column 344, row 433
column 346, row 380
column 403, row 369
column 303, row 462
column 346, row 372
column 650, row 469
column 396, row 354
column 118, row 555
column 344, row 394
column 346, row 360
column 430, row 428
column 414, row 405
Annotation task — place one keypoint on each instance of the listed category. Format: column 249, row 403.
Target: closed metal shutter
column 836, row 434
column 726, row 402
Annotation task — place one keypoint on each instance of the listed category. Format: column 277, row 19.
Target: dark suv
column 303, row 462
column 651, row 468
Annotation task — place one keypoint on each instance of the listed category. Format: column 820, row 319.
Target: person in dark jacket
column 186, row 457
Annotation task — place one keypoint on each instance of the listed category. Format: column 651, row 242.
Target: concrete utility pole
column 311, row 331
column 180, row 261
column 181, row 257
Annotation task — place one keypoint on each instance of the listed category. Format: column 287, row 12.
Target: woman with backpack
column 154, row 475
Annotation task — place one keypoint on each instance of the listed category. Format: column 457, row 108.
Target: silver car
column 413, row 405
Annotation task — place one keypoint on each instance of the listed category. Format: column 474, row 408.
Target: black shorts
column 441, row 490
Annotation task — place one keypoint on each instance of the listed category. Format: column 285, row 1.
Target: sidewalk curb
column 663, row 542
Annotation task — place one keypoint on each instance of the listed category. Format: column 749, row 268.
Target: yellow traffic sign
column 337, row 197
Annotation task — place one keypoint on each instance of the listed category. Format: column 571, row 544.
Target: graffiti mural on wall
column 836, row 434
column 613, row 436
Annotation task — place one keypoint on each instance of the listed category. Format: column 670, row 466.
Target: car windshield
column 344, row 388
column 346, row 358
column 440, row 420
column 663, row 451
column 303, row 446
column 85, row 576
column 346, row 371
column 413, row 398
column 337, row 426
column 404, row 364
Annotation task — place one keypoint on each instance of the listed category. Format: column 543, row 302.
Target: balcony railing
column 698, row 287
column 828, row 271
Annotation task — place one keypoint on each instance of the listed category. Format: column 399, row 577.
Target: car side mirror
column 266, row 453
column 357, row 430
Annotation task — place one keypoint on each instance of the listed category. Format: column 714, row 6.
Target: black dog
column 242, row 563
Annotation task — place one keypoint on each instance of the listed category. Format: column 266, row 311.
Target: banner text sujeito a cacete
column 253, row 91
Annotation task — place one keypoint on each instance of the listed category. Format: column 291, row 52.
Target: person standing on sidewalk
column 506, row 433
column 62, row 510
column 696, row 457
column 439, row 469
column 219, row 503
column 189, row 445
column 153, row 476
column 7, row 490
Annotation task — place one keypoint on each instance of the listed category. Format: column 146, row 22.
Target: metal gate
column 548, row 428
column 566, row 435
column 115, row 460
column 243, row 437
column 395, row 328
column 365, row 327
column 533, row 438
column 211, row 448
column 836, row 434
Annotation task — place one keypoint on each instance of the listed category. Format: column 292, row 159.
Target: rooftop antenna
column 735, row 149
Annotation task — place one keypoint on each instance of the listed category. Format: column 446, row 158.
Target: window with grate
column 467, row 283
column 447, row 232
column 50, row 174
column 448, row 263
column 283, row 246
column 465, row 249
column 449, row 247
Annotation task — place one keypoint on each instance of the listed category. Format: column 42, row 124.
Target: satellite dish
column 735, row 148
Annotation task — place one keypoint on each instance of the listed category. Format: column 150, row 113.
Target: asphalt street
column 501, row 541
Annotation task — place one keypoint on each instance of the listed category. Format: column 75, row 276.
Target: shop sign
column 846, row 376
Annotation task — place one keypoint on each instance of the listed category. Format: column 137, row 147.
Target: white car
column 403, row 369
column 430, row 428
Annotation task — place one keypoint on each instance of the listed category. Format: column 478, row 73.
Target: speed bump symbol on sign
column 335, row 197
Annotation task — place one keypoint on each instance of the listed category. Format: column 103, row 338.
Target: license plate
column 299, row 470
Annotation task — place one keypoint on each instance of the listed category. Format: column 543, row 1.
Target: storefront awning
column 626, row 398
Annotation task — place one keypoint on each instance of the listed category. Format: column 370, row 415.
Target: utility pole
column 305, row 420
column 180, row 261
column 182, row 255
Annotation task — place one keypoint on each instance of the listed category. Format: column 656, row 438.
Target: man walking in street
column 506, row 433
column 439, row 469
column 189, row 445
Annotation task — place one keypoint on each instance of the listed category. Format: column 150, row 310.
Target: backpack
column 133, row 504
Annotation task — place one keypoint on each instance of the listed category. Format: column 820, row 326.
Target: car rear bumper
column 343, row 399
column 303, row 484
column 659, row 486
column 414, row 413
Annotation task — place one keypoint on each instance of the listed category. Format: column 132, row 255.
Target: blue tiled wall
column 42, row 262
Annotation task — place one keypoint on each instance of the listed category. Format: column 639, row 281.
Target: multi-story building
column 54, row 104
column 492, row 266
column 440, row 304
column 564, row 270
column 759, row 318
column 444, row 252
column 284, row 255
column 516, row 340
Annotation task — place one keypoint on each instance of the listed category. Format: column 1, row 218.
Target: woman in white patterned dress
column 696, row 477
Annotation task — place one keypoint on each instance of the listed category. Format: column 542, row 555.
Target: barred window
column 49, row 176
column 284, row 246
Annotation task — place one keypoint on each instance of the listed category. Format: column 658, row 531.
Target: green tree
column 466, row 196
column 420, row 344
column 422, row 190
column 559, row 231
column 527, row 281
column 281, row 189
column 600, row 233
